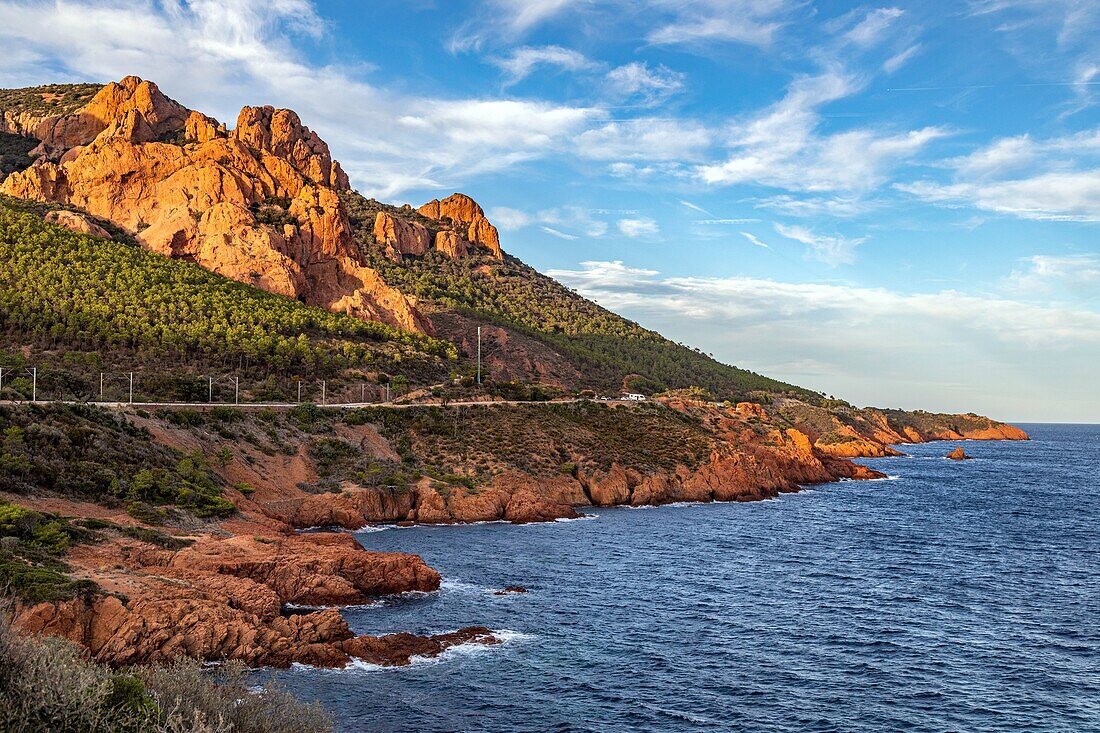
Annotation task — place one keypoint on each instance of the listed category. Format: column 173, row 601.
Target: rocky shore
column 255, row 588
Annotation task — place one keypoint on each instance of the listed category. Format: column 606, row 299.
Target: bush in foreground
column 47, row 685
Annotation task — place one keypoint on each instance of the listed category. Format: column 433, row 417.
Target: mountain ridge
column 265, row 203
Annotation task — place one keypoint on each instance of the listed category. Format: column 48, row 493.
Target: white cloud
column 525, row 60
column 636, row 79
column 575, row 218
column 767, row 303
column 874, row 25
column 640, row 227
column 1003, row 156
column 816, row 206
column 695, row 207
column 781, row 147
column 899, row 60
column 1073, row 274
column 832, row 251
column 1056, row 179
column 644, row 138
column 1073, row 196
column 508, row 219
column 752, row 238
column 749, row 22
column 558, row 233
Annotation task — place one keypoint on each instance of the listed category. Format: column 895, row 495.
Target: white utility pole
column 299, row 391
column 323, row 393
column 34, row 384
column 1, row 378
column 101, row 386
column 236, row 390
column 131, row 388
column 209, row 390
column 479, row 355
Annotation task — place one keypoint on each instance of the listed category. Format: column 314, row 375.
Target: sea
column 952, row 596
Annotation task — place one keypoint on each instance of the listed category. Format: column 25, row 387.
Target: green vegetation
column 601, row 345
column 48, row 685
column 31, row 544
column 48, row 99
column 539, row 439
column 68, row 291
column 14, row 151
column 94, row 454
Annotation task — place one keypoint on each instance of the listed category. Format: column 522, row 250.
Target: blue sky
column 897, row 203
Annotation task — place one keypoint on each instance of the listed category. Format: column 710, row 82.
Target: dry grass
column 48, row 685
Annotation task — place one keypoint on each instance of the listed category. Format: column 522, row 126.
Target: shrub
column 48, row 685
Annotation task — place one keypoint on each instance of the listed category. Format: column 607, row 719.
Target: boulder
column 77, row 223
column 958, row 454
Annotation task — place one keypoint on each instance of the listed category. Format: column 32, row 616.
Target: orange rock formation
column 258, row 203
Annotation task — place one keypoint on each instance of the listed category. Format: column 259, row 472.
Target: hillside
column 543, row 322
column 77, row 304
column 298, row 230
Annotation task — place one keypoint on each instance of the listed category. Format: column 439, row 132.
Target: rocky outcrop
column 848, row 432
column 958, row 454
column 401, row 237
column 225, row 599
column 77, row 223
column 466, row 217
column 744, row 466
column 396, row 650
column 451, row 244
column 258, row 203
column 162, row 629
column 132, row 107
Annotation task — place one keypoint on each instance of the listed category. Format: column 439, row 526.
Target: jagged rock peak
column 281, row 133
column 465, row 213
column 132, row 107
column 259, row 204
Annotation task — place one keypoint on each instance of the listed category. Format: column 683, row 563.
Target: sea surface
column 958, row 596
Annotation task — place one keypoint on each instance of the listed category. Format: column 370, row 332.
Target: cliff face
column 258, row 203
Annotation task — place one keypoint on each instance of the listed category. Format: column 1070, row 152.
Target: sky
column 895, row 203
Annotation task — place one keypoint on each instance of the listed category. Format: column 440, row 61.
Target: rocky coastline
column 255, row 588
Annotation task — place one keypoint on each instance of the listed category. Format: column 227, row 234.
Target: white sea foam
column 454, row 585
column 581, row 518
column 507, row 637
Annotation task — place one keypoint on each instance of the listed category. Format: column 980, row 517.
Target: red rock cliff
column 257, row 204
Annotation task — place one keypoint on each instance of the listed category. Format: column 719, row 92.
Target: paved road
column 290, row 405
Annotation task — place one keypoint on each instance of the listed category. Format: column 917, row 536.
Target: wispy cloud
column 831, row 336
column 899, row 60
column 558, row 233
column 695, row 207
column 1063, row 275
column 833, row 251
column 639, row 227
column 752, row 238
column 781, row 146
column 638, row 80
column 1056, row 179
column 874, row 25
column 749, row 22
column 645, row 138
column 523, row 61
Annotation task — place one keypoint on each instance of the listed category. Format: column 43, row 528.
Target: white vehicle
column 633, row 397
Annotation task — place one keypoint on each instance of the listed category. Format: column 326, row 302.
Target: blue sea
column 955, row 596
